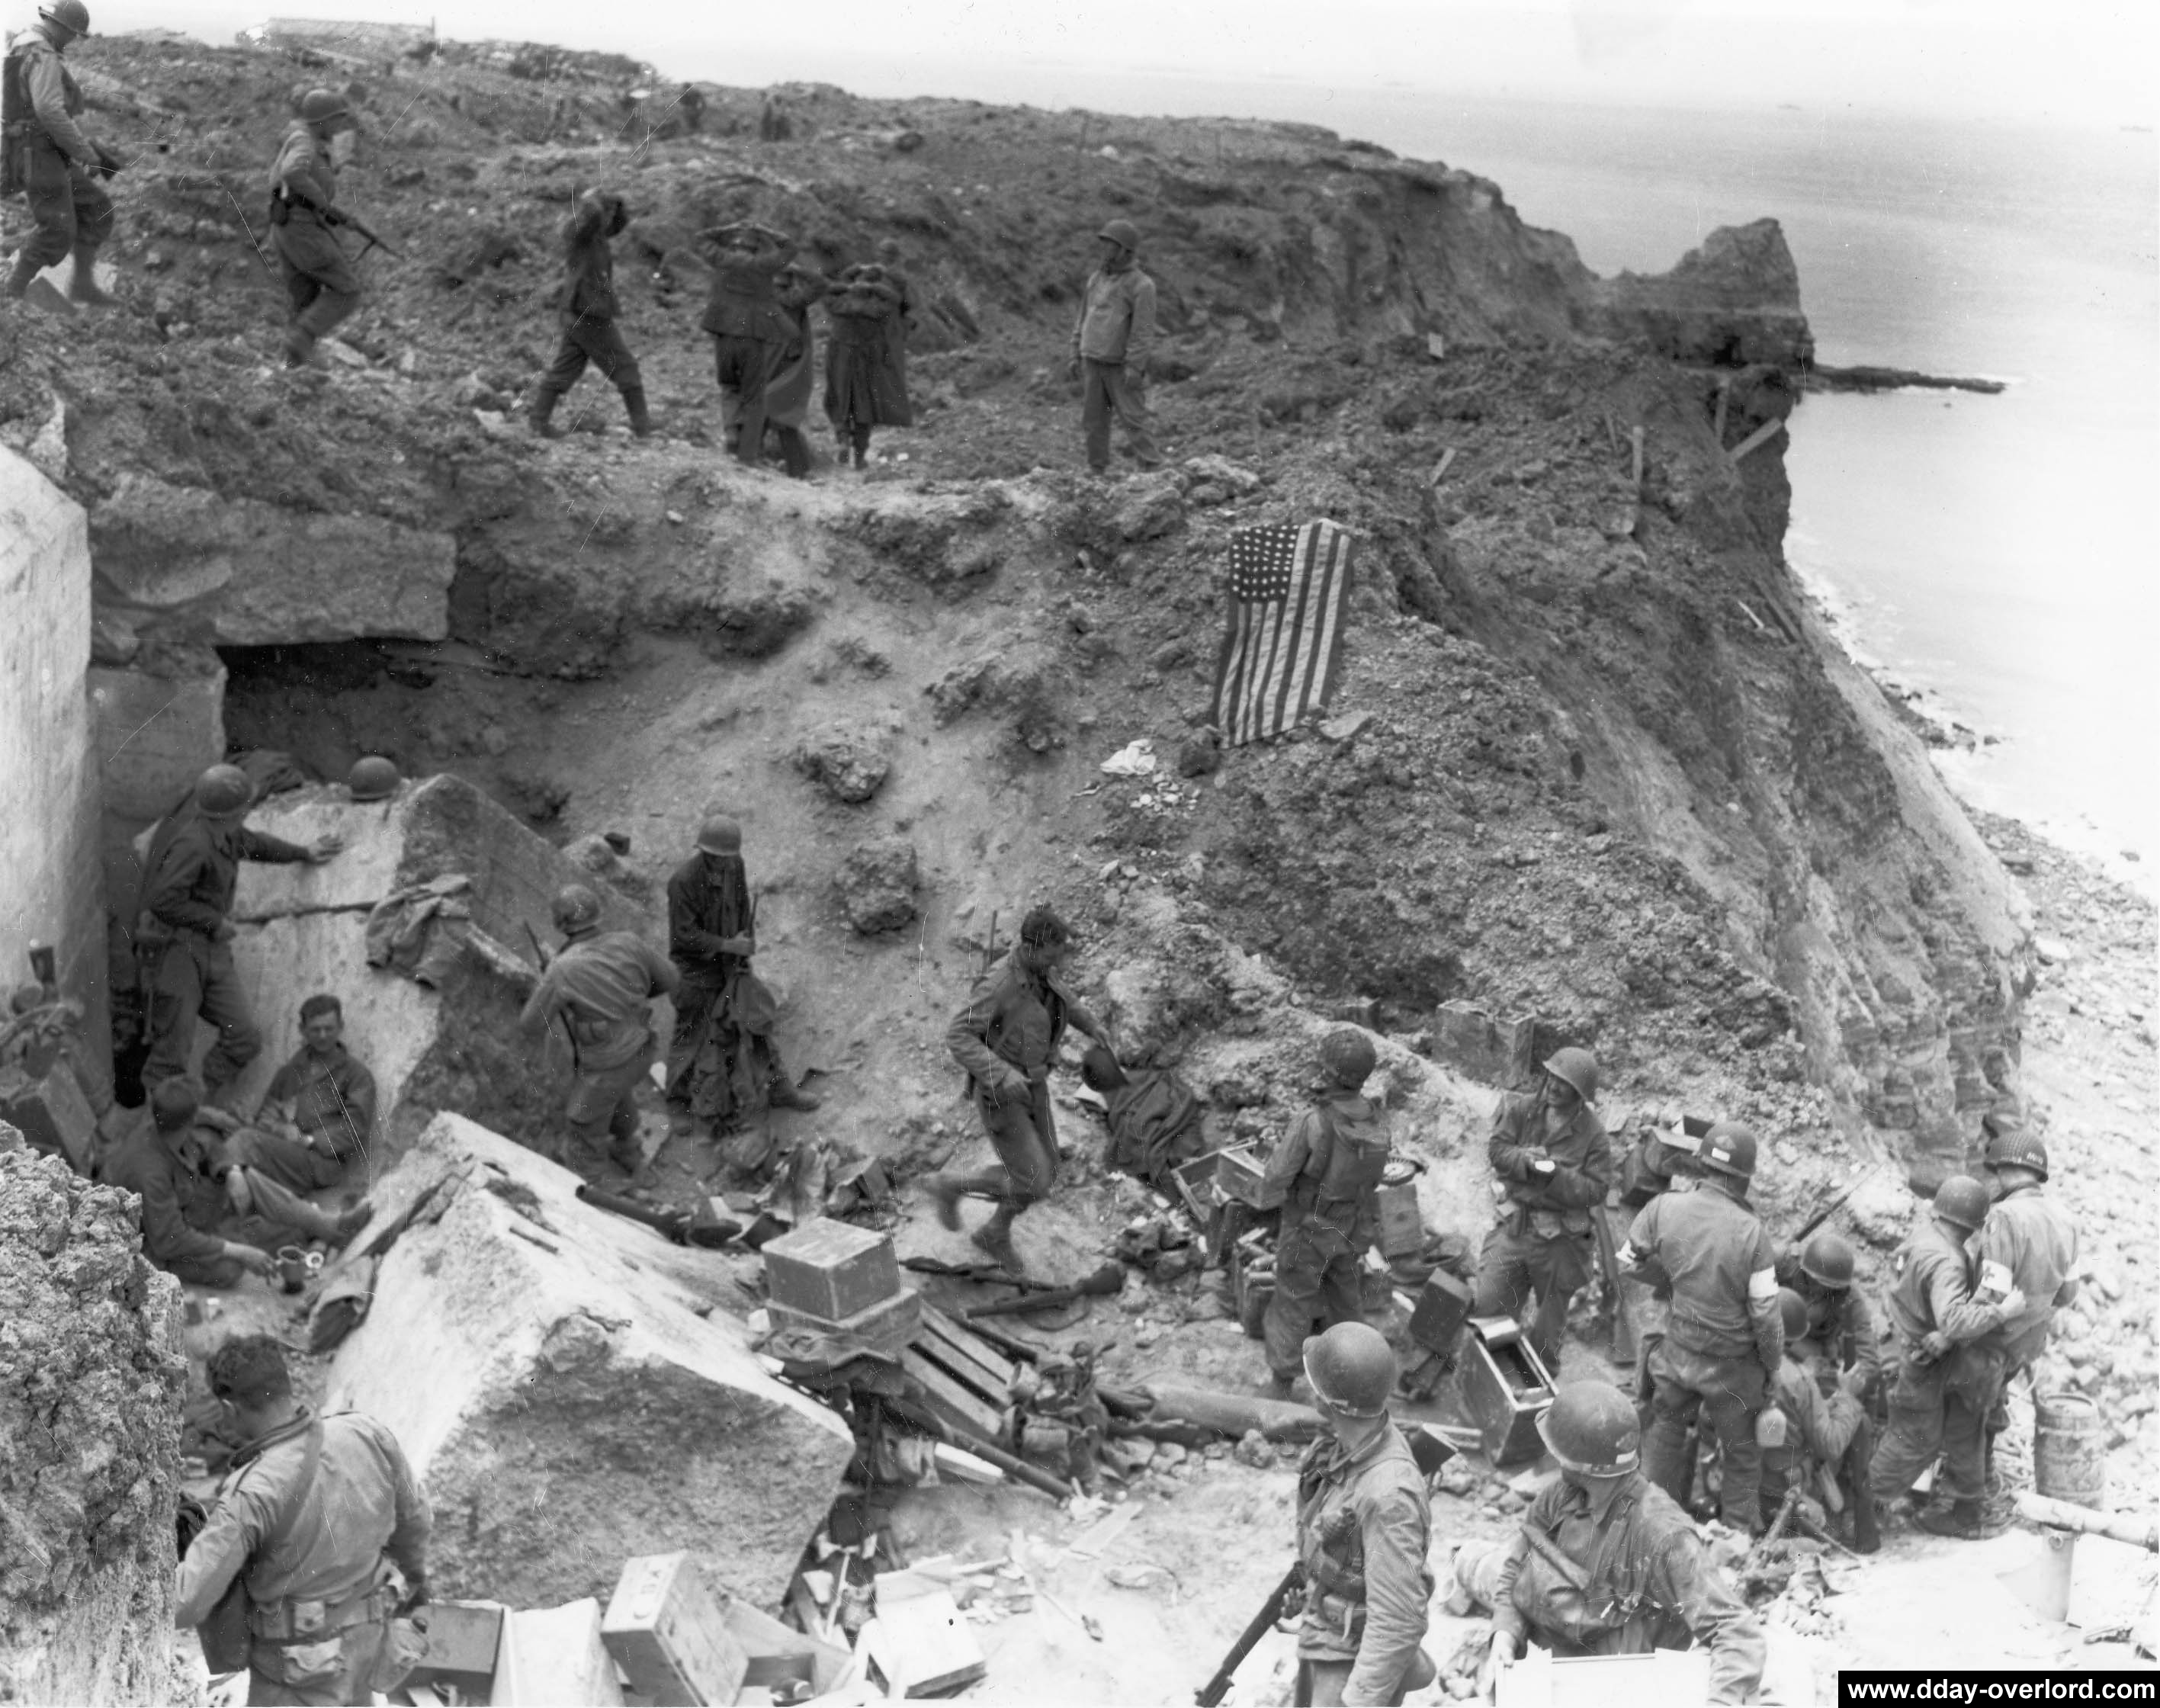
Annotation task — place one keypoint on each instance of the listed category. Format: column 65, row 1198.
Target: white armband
column 1762, row 1287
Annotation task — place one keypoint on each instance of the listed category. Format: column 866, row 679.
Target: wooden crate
column 1241, row 1174
column 831, row 1270
column 464, row 1638
column 1442, row 1307
column 921, row 1646
column 887, row 1325
column 963, row 1379
column 1402, row 1226
column 1505, row 1388
column 665, row 1631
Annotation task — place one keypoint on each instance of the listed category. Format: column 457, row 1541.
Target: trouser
column 1784, row 1466
column 1312, row 1294
column 1023, row 1136
column 70, row 207
column 1515, row 1265
column 598, row 342
column 276, row 1212
column 195, row 976
column 794, row 450
column 1927, row 1418
column 1107, row 389
column 320, row 280
column 301, row 1167
column 744, row 366
column 1725, row 1393
column 694, row 1005
column 605, row 1099
column 856, row 435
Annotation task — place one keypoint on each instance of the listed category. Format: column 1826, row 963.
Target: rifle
column 329, row 216
column 1835, row 1204
column 569, row 1033
column 1271, row 1609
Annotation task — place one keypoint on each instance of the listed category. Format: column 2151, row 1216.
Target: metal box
column 1240, row 1175
column 1505, row 1387
column 1443, row 1306
column 1402, row 1228
column 463, row 1640
column 831, row 1270
column 665, row 1631
column 887, row 1325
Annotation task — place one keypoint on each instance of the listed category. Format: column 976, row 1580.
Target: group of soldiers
column 757, row 311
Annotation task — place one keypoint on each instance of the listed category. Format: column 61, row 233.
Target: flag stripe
column 1282, row 644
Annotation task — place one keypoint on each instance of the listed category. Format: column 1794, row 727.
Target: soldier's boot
column 994, row 1238
column 299, row 346
column 1962, row 1520
column 19, row 276
column 783, row 1093
column 641, row 424
column 83, row 286
column 541, row 418
column 1867, row 1534
column 945, row 1194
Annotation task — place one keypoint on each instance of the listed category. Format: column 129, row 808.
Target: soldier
column 866, row 382
column 317, row 1117
column 587, row 307
column 1840, row 1323
column 2028, row 1242
column 1661, row 1159
column 1724, row 1339
column 1111, row 342
column 691, row 104
column 185, row 935
column 753, row 336
column 788, row 393
column 1153, row 1117
column 44, row 154
column 320, row 280
column 1807, row 1426
column 711, row 933
column 1327, row 1173
column 599, row 985
column 325, row 1523
column 1605, row 1562
column 1552, row 1164
column 1365, row 1524
column 1007, row 1038
column 1949, row 1360
column 1066, row 1396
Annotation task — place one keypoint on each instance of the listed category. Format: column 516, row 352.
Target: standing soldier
column 1947, row 1374
column 866, row 382
column 1823, row 1427
column 587, row 306
column 185, row 935
column 711, row 933
column 788, row 393
column 1724, row 1339
column 1327, row 1171
column 325, row 1523
column 44, row 154
column 1605, row 1563
column 1111, row 342
column 320, row 280
column 1365, row 1524
column 1007, row 1038
column 1552, row 1166
column 2029, row 1242
column 753, row 336
column 1840, row 1323
column 599, row 985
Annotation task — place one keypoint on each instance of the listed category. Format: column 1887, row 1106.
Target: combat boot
column 641, row 424
column 299, row 346
column 541, row 417
column 945, row 1195
column 1867, row 1534
column 19, row 276
column 83, row 287
column 784, row 1093
column 1962, row 1521
column 994, row 1239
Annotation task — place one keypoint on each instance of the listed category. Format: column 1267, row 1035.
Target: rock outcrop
column 573, row 1390
column 92, row 1380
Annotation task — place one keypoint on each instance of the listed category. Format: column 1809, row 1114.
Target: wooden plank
column 1635, row 440
column 955, row 1362
column 966, row 1355
column 1724, row 396
column 1761, row 436
column 965, row 1410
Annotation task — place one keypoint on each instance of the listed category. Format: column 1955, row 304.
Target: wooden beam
column 1761, row 436
column 1439, row 469
column 1635, row 439
column 1724, row 396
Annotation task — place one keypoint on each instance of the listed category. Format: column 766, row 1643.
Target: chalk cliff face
column 1610, row 767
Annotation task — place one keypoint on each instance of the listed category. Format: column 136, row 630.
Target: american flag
column 1284, row 649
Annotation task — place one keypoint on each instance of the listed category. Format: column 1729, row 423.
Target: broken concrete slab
column 184, row 563
column 554, row 1656
column 573, row 1390
column 300, row 929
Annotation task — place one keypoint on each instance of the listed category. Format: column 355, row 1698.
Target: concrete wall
column 51, row 884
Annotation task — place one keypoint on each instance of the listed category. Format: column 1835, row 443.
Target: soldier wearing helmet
column 372, row 778
column 2029, row 1241
column 1605, row 1561
column 1007, row 1038
column 1841, row 1326
column 44, row 154
column 723, row 1064
column 594, row 994
column 587, row 307
column 1818, row 1428
column 1949, row 1361
column 184, row 933
column 1364, row 1525
column 1327, row 1173
column 321, row 284
column 1724, row 1339
column 754, row 337
column 1552, row 1166
column 1112, row 339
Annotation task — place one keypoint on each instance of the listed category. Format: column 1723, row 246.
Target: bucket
column 2070, row 1448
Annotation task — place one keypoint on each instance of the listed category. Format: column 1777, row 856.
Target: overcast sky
column 2081, row 61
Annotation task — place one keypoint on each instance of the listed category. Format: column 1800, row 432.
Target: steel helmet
column 373, row 778
column 69, row 14
column 1577, row 1068
column 1729, row 1147
column 576, row 908
column 2013, row 1147
column 1351, row 1368
column 1591, row 1428
column 1794, row 1308
column 1827, row 1261
column 1122, row 232
column 223, row 792
column 720, row 835
column 321, row 106
column 1347, row 1055
column 1962, row 1201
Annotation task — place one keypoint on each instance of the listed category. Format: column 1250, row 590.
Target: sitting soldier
column 190, row 1192
column 1808, row 1434
column 319, row 1115
column 1153, row 1116
column 1066, row 1401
